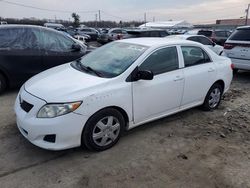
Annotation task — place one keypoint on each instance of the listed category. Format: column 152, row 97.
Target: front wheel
column 103, row 130
column 213, row 98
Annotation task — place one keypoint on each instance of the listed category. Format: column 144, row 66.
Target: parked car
column 93, row 33
column 119, row 86
column 54, row 26
column 3, row 23
column 28, row 50
column 147, row 33
column 112, row 35
column 217, row 36
column 237, row 47
column 201, row 39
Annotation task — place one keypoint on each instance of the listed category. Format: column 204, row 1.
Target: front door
column 154, row 98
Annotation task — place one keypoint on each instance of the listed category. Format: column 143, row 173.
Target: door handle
column 178, row 78
column 211, row 70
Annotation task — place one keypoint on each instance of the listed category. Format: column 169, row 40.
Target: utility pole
column 153, row 19
column 99, row 12
column 145, row 18
column 247, row 12
column 96, row 20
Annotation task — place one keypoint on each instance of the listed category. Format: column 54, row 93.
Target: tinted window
column 195, row 39
column 194, row 56
column 205, row 33
column 163, row 33
column 242, row 35
column 56, row 42
column 18, row 38
column 220, row 33
column 161, row 61
column 205, row 41
column 116, row 31
column 154, row 34
column 86, row 30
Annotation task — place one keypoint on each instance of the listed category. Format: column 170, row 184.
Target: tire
column 106, row 126
column 3, row 83
column 213, row 98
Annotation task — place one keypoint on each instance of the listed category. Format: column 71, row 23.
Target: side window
column 163, row 33
column 195, row 39
column 205, row 41
column 18, row 39
column 56, row 42
column 161, row 61
column 194, row 56
column 154, row 34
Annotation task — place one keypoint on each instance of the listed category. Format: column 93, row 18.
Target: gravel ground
column 190, row 149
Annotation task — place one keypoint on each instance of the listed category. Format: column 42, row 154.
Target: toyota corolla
column 119, row 86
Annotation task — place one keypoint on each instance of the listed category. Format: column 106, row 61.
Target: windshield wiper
column 89, row 69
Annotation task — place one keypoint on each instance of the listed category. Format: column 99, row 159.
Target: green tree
column 76, row 18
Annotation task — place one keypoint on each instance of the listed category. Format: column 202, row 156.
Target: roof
column 167, row 24
column 244, row 27
column 155, row 41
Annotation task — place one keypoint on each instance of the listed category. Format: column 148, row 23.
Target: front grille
column 26, row 106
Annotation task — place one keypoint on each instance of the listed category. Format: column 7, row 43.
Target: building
column 233, row 22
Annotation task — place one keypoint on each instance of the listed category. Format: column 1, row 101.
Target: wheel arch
column 221, row 83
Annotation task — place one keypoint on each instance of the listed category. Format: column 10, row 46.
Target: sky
column 193, row 11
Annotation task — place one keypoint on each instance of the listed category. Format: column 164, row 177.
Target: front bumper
column 67, row 128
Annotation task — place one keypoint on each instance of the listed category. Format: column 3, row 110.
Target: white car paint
column 240, row 51
column 213, row 46
column 143, row 100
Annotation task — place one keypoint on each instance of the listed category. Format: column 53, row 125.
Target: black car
column 93, row 33
column 28, row 50
column 147, row 33
column 217, row 36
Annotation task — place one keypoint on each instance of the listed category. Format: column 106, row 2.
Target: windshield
column 112, row 59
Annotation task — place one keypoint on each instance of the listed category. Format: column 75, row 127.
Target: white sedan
column 118, row 87
column 200, row 39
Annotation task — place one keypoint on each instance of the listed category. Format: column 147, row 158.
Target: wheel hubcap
column 106, row 131
column 214, row 98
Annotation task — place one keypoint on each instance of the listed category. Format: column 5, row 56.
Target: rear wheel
column 3, row 83
column 103, row 130
column 213, row 98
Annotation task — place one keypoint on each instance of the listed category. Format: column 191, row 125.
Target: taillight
column 228, row 46
column 232, row 66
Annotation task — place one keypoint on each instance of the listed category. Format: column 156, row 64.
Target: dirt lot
column 190, row 149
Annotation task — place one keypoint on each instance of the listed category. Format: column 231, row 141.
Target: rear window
column 241, row 35
column 205, row 33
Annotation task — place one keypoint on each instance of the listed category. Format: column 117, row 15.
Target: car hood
column 63, row 84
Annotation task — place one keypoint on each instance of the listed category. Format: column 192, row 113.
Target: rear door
column 199, row 73
column 57, row 49
column 20, row 53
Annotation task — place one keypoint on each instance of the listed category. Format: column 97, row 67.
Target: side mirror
column 76, row 47
column 213, row 44
column 145, row 75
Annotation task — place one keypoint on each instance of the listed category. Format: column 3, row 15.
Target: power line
column 44, row 9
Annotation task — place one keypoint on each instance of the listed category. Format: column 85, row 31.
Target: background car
column 93, row 33
column 201, row 39
column 237, row 47
column 112, row 35
column 147, row 33
column 217, row 36
column 28, row 50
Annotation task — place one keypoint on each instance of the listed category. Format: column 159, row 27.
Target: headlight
column 54, row 110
